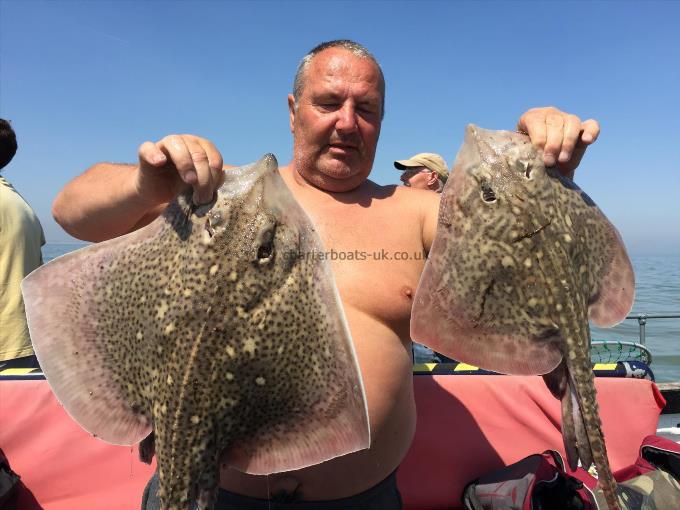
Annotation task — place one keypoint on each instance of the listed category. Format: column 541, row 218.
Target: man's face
column 336, row 123
column 419, row 177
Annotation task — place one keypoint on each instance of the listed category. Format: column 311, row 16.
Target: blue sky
column 89, row 81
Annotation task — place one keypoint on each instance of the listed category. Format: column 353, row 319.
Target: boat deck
column 468, row 425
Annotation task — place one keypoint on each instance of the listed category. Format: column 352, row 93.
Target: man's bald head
column 353, row 47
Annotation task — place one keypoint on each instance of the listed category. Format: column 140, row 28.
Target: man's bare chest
column 376, row 260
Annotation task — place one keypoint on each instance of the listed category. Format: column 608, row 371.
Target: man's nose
column 347, row 119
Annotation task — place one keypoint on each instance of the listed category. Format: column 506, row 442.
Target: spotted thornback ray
column 521, row 259
column 217, row 327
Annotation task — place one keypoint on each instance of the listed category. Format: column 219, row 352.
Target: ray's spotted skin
column 522, row 257
column 212, row 326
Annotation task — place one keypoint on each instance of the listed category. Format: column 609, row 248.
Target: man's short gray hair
column 353, row 47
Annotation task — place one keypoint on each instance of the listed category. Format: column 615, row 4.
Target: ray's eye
column 265, row 250
column 265, row 247
column 216, row 218
column 209, row 228
column 487, row 192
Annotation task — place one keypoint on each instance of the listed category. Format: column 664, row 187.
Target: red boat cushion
column 471, row 425
column 62, row 465
column 467, row 426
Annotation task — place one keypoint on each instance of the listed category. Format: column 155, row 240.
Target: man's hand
column 169, row 165
column 562, row 136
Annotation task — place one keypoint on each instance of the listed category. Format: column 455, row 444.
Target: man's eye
column 367, row 110
column 329, row 106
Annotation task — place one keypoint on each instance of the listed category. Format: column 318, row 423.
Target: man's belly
column 386, row 368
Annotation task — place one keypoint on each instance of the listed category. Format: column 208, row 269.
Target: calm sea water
column 657, row 292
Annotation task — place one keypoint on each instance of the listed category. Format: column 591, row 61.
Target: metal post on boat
column 642, row 320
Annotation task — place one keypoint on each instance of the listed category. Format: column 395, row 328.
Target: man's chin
column 334, row 173
column 336, row 178
column 341, row 166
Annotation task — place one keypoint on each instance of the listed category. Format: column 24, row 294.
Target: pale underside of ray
column 65, row 331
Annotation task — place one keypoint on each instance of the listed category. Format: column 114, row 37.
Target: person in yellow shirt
column 21, row 237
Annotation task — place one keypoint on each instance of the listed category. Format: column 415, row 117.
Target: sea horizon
column 657, row 292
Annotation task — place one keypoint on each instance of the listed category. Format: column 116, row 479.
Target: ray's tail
column 574, row 385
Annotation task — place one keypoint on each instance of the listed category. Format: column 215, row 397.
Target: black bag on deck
column 537, row 482
column 9, row 481
column 541, row 482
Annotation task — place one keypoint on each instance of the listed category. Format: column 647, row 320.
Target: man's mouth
column 343, row 147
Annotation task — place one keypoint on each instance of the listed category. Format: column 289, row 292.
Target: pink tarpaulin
column 471, row 425
column 62, row 465
column 467, row 426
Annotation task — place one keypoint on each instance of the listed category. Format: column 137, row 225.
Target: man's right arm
column 109, row 200
column 102, row 203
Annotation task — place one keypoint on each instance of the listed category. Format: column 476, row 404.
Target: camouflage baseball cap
column 429, row 160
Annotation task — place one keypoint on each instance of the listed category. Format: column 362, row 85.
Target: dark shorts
column 384, row 496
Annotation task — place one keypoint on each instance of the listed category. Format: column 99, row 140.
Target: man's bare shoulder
column 401, row 195
column 417, row 207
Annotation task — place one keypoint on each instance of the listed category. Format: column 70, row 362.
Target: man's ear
column 433, row 178
column 291, row 111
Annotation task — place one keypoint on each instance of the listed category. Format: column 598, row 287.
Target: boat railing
column 609, row 351
column 601, row 351
column 642, row 321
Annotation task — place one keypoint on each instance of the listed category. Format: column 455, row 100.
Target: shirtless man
column 335, row 117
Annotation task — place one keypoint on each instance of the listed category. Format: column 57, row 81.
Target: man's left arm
column 430, row 216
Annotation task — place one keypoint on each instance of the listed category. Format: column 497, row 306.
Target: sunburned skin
column 521, row 259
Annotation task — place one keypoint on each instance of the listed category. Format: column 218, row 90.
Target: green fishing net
column 609, row 351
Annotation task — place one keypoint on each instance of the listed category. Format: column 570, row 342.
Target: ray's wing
column 170, row 325
column 312, row 407
column 63, row 299
column 609, row 276
column 466, row 308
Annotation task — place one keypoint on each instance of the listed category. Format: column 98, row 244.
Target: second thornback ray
column 216, row 327
column 520, row 261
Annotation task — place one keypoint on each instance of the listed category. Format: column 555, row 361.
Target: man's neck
column 312, row 180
